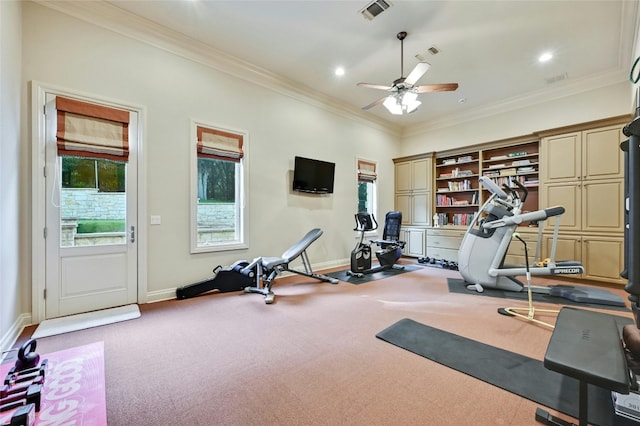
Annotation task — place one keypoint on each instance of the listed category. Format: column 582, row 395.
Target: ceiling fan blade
column 375, row 86
column 445, row 87
column 374, row 103
column 417, row 72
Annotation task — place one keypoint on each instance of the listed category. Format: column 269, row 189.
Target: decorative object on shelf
column 436, row 221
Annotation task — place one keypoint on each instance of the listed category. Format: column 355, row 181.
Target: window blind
column 90, row 130
column 218, row 144
column 366, row 171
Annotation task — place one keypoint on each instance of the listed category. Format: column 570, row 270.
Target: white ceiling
column 489, row 47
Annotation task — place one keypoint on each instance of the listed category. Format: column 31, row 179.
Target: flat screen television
column 313, row 176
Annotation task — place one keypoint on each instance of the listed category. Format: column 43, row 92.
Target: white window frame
column 242, row 182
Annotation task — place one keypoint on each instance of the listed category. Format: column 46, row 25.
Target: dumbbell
column 32, row 395
column 27, row 356
column 23, row 416
column 14, row 376
column 6, row 390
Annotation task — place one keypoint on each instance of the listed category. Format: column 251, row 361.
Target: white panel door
column 91, row 211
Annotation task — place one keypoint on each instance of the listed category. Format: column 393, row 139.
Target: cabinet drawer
column 442, row 253
column 440, row 232
column 444, row 242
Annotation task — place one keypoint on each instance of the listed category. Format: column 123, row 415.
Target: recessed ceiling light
column 339, row 71
column 545, row 57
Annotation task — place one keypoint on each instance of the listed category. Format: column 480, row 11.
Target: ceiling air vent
column 375, row 8
column 557, row 78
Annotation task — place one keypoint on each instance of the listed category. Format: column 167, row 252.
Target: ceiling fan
column 404, row 94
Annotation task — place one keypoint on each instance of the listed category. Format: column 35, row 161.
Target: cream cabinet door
column 567, row 195
column 421, row 209
column 602, row 206
column 603, row 258
column 602, row 157
column 416, row 243
column 421, row 174
column 403, row 177
column 403, row 205
column 567, row 247
column 561, row 158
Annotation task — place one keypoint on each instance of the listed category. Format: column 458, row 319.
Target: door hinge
column 44, row 233
column 44, row 109
column 44, row 171
column 44, row 295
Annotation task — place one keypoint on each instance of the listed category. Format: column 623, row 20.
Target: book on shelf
column 465, row 159
column 462, row 219
column 474, row 198
column 516, row 154
column 521, row 162
column 445, row 175
column 449, row 161
column 498, row 157
column 491, row 173
column 497, row 166
column 443, row 218
column 508, row 172
column 527, row 169
column 462, row 185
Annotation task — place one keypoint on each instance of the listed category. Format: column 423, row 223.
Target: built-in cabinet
column 413, row 177
column 583, row 171
column 580, row 168
column 413, row 197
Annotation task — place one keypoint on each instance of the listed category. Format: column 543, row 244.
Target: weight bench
column 268, row 268
column 587, row 346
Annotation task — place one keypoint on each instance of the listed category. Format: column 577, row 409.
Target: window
column 218, row 176
column 366, row 186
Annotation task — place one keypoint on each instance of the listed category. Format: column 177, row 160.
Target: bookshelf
column 521, row 162
column 457, row 194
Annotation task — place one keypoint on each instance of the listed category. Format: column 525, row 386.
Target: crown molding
column 125, row 23
column 570, row 88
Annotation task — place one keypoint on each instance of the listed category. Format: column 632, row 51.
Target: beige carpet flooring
column 311, row 358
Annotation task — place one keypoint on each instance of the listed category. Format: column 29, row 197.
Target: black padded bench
column 587, row 346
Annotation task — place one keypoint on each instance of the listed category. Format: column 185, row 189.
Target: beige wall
column 13, row 275
column 66, row 52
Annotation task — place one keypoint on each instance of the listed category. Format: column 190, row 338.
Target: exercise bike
column 390, row 245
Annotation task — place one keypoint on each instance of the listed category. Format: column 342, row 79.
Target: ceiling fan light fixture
column 412, row 106
column 393, row 105
column 402, row 103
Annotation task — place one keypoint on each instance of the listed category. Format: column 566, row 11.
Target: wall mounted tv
column 313, row 176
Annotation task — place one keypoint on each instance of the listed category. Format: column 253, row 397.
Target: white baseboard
column 10, row 337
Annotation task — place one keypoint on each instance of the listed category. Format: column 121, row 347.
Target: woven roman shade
column 366, row 171
column 92, row 131
column 218, row 144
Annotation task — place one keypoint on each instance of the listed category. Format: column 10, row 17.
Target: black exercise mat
column 457, row 285
column 526, row 377
column 342, row 275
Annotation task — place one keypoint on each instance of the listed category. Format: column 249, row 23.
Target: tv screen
column 313, row 176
